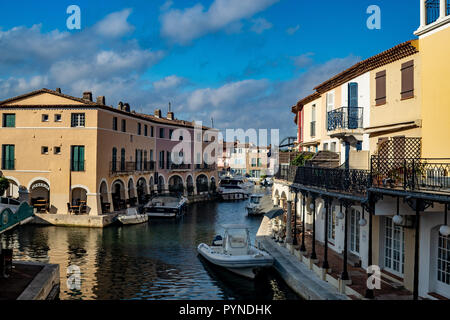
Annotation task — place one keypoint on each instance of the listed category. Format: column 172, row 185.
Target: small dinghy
column 132, row 217
column 235, row 253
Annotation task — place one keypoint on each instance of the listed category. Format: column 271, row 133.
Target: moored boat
column 234, row 189
column 132, row 217
column 235, row 253
column 166, row 206
column 254, row 205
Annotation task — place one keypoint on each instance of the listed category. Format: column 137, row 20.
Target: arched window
column 114, row 160
column 122, row 159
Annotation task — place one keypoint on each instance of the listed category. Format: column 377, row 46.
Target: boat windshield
column 255, row 200
column 236, row 239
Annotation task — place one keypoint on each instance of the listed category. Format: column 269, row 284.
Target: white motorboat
column 254, row 205
column 234, row 189
column 166, row 206
column 235, row 252
column 133, row 217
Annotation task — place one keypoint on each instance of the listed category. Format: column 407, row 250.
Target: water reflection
column 157, row 260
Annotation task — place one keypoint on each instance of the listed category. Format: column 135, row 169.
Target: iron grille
column 345, row 118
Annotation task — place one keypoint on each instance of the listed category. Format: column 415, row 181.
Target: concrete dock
column 297, row 276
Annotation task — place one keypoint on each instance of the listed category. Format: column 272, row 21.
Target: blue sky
column 244, row 62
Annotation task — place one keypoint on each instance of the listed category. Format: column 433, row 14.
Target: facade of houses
column 246, row 159
column 78, row 155
column 388, row 118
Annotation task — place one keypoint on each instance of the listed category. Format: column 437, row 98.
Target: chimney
column 101, row 100
column 158, row 113
column 170, row 114
column 120, row 106
column 126, row 107
column 87, row 95
column 58, row 90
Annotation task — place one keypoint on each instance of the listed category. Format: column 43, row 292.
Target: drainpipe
column 313, row 253
column 371, row 211
column 294, row 241
column 416, row 252
column 325, row 264
column 344, row 275
column 303, row 247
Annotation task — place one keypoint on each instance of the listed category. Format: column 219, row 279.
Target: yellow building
column 74, row 155
column 434, row 35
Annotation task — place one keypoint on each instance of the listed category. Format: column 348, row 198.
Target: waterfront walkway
column 299, row 278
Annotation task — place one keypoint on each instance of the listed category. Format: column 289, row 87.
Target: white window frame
column 355, row 232
column 385, row 247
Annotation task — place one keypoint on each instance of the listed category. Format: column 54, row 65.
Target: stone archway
column 118, row 195
column 141, row 188
column 78, row 200
column 176, row 184
column 40, row 195
column 161, row 184
column 190, row 185
column 202, row 183
column 213, row 186
column 104, row 197
column 132, row 197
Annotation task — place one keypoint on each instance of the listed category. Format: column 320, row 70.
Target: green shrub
column 301, row 159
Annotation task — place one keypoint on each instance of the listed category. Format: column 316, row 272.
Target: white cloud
column 115, row 24
column 260, row 25
column 167, row 5
column 183, row 26
column 227, row 95
column 168, row 82
column 292, row 30
column 303, row 60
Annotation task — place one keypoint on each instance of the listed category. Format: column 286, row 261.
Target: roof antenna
column 212, row 122
column 170, row 106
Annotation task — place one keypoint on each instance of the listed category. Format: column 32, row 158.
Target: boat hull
column 127, row 220
column 246, row 265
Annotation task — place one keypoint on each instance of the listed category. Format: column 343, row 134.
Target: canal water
column 157, row 260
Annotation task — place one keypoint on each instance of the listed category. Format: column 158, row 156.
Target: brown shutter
column 380, row 79
column 407, row 80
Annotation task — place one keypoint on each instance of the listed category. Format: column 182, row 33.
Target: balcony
column 205, row 167
column 338, row 180
column 130, row 167
column 412, row 174
column 345, row 119
column 180, row 167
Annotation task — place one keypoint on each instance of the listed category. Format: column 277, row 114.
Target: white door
column 443, row 266
column 394, row 244
column 355, row 216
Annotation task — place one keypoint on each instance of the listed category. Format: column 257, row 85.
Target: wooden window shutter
column 380, row 79
column 407, row 80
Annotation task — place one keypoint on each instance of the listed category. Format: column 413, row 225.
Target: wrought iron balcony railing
column 182, row 166
column 432, row 9
column 340, row 180
column 414, row 174
column 345, row 118
column 205, row 167
column 127, row 167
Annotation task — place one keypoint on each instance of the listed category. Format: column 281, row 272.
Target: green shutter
column 10, row 120
column 81, row 158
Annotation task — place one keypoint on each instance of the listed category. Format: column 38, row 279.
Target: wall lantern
column 363, row 221
column 397, row 219
column 340, row 215
column 445, row 229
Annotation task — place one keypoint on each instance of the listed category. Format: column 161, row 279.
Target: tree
column 4, row 185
